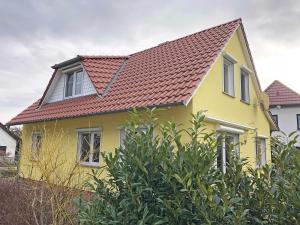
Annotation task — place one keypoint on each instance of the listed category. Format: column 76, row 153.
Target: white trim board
column 228, row 123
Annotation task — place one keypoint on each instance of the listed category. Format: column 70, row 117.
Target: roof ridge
column 114, row 78
column 288, row 87
column 105, row 56
column 189, row 35
column 295, row 92
column 270, row 85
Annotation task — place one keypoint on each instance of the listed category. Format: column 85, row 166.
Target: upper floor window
column 298, row 121
column 245, row 95
column 261, row 158
column 74, row 83
column 275, row 119
column 89, row 146
column 228, row 77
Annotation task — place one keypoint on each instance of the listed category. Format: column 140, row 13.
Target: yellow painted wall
column 62, row 135
column 60, row 138
column 210, row 97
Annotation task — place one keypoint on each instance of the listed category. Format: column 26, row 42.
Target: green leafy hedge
column 161, row 180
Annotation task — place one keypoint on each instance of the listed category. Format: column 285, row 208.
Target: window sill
column 73, row 96
column 247, row 103
column 229, row 95
column 87, row 164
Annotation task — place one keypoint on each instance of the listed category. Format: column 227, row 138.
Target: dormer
column 70, row 81
column 82, row 76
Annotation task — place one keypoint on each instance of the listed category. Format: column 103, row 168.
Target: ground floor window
column 36, row 139
column 2, row 150
column 89, row 146
column 228, row 144
column 260, row 152
column 123, row 134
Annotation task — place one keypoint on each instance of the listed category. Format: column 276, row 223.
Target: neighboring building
column 285, row 108
column 8, row 144
column 88, row 98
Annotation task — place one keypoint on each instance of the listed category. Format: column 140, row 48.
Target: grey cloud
column 37, row 34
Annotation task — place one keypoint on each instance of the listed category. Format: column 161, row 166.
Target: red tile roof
column 163, row 75
column 280, row 94
column 101, row 69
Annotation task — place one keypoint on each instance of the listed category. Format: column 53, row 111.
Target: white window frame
column 91, row 131
column 247, row 86
column 261, row 155
column 231, row 87
column 122, row 134
column 236, row 140
column 75, row 75
column 35, row 146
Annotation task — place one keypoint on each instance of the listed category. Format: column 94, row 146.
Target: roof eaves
column 67, row 62
column 98, row 113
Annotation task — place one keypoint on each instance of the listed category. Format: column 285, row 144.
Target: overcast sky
column 34, row 35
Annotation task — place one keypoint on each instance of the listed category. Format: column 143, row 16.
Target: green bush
column 161, row 180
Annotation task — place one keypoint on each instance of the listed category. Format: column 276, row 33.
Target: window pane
column 229, row 147
column 226, row 79
column 69, row 85
column 243, row 94
column 122, row 137
column 247, row 94
column 220, row 154
column 298, row 122
column 245, row 87
column 263, row 151
column 260, row 152
column 96, row 150
column 275, row 119
column 78, row 83
column 36, row 144
column 84, row 147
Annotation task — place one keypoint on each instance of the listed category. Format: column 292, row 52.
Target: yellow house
column 88, row 99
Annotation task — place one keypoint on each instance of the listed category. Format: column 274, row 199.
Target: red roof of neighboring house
column 280, row 94
column 167, row 74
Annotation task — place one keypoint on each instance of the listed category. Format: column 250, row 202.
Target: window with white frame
column 228, row 146
column 228, row 77
column 245, row 93
column 74, row 84
column 89, row 141
column 260, row 152
column 36, row 140
column 298, row 121
column 123, row 134
column 275, row 119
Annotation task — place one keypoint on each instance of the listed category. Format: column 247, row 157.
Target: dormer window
column 74, row 82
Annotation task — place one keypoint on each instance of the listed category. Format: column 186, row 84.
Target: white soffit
column 229, row 129
column 225, row 123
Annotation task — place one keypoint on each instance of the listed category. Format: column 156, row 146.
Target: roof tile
column 166, row 74
column 280, row 94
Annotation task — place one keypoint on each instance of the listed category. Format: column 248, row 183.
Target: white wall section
column 287, row 119
column 57, row 90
